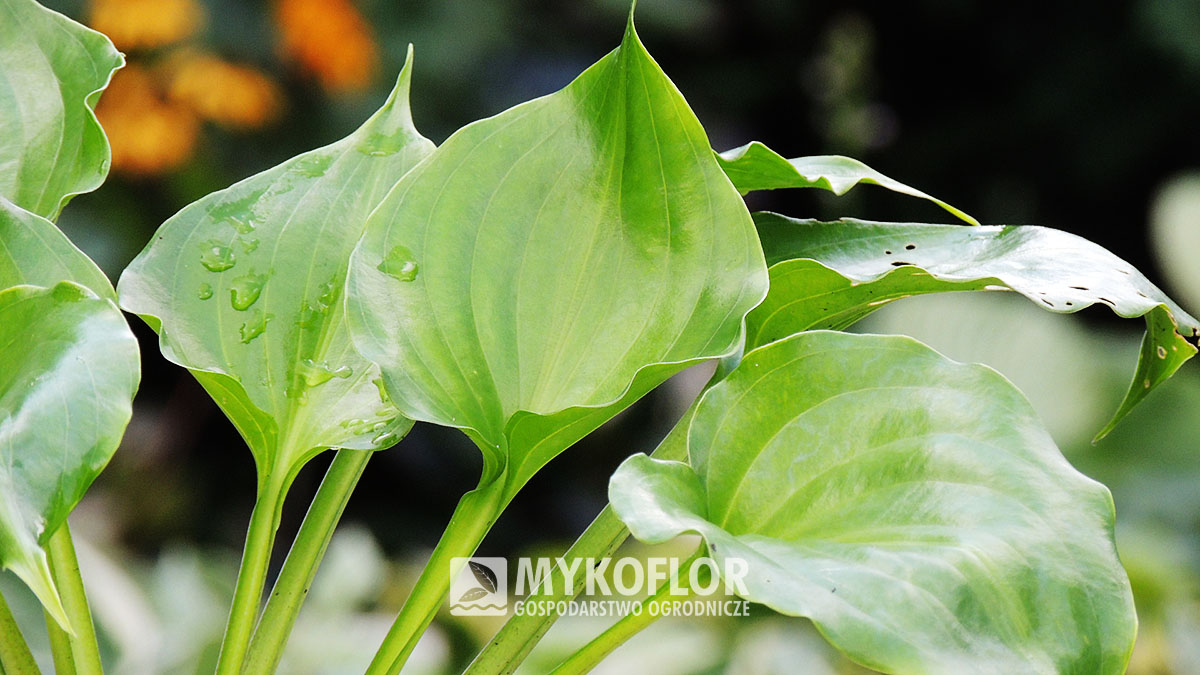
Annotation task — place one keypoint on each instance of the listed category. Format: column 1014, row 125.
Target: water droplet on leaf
column 314, row 374
column 399, row 263
column 313, row 166
column 255, row 326
column 248, row 245
column 245, row 290
column 383, row 395
column 205, row 292
column 381, row 145
column 237, row 212
column 217, row 257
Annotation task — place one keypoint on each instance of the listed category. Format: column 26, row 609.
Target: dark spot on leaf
column 1069, row 303
column 1051, row 304
column 1080, row 288
column 898, row 263
column 909, row 247
column 887, row 252
column 1106, row 301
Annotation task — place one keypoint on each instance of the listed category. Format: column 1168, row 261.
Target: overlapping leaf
column 912, row 507
column 547, row 266
column 68, row 372
column 52, row 71
column 754, row 166
column 33, row 251
column 829, row 275
column 245, row 290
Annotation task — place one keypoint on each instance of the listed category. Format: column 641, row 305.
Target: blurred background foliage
column 1084, row 120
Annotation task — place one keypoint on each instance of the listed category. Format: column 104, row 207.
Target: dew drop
column 205, row 292
column 329, row 294
column 237, row 212
column 383, row 395
column 385, row 440
column 255, row 326
column 248, row 245
column 314, row 374
column 245, row 290
column 310, row 316
column 312, row 166
column 399, row 263
column 217, row 257
column 381, row 145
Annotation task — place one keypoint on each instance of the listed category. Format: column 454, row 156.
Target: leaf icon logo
column 485, row 576
column 473, row 595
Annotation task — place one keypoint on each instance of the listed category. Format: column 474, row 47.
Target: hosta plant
column 527, row 280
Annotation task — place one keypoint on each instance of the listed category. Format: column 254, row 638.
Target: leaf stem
column 296, row 577
column 84, row 649
column 256, row 558
column 473, row 517
column 521, row 632
column 591, row 654
column 15, row 657
column 60, row 647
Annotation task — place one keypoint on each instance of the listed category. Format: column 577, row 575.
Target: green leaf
column 547, row 266
column 754, row 166
column 52, row 71
column 68, row 372
column 35, row 252
column 244, row 288
column 829, row 275
column 912, row 507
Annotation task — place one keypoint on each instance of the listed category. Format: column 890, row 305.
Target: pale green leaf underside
column 68, row 371
column 829, row 275
column 540, row 261
column 912, row 507
column 52, row 71
column 245, row 289
column 754, row 166
column 35, row 252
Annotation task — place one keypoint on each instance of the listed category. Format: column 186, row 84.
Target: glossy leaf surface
column 754, row 166
column 912, row 507
column 52, row 71
column 829, row 275
column 547, row 266
column 68, row 372
column 245, row 289
column 34, row 251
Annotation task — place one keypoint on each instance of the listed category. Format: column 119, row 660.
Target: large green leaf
column 547, row 266
column 35, row 252
column 244, row 288
column 52, row 71
column 829, row 275
column 754, row 166
column 912, row 507
column 68, row 372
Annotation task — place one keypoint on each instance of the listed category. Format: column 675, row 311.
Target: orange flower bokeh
column 148, row 134
column 232, row 95
column 153, row 109
column 138, row 24
column 330, row 39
